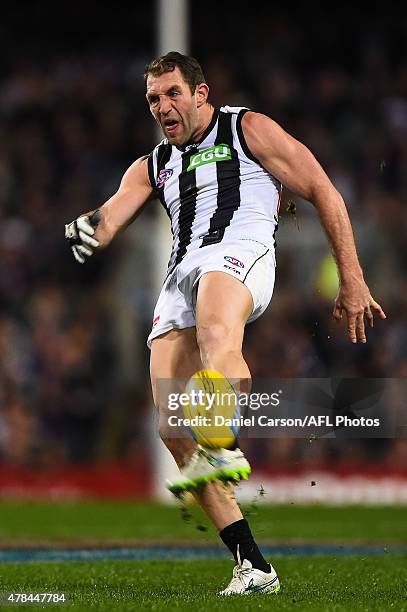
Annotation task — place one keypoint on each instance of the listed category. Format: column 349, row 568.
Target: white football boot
column 247, row 580
column 210, row 464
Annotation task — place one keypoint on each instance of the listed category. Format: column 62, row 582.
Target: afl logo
column 234, row 261
column 163, row 177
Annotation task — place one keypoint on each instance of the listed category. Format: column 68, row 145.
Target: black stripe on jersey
column 228, row 177
column 150, row 166
column 163, row 157
column 187, row 193
column 242, row 139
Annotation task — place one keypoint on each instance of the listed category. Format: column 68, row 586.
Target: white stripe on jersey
column 223, row 189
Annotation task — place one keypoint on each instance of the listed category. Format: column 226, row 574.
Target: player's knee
column 213, row 335
column 180, row 448
column 169, row 443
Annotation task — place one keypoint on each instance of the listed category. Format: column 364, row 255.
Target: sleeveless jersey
column 215, row 190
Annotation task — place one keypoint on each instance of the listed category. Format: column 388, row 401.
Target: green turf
column 108, row 520
column 318, row 584
column 308, row 583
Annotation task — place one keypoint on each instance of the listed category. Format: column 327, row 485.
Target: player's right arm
column 96, row 229
column 295, row 167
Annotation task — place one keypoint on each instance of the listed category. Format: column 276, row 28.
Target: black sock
column 239, row 533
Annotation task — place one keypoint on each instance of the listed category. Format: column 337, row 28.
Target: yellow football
column 212, row 411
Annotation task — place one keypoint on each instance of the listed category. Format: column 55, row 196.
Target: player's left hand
column 79, row 234
column 355, row 299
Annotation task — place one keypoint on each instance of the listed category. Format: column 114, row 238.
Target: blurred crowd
column 73, row 362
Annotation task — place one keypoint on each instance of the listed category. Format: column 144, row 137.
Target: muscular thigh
column 174, row 356
column 223, row 301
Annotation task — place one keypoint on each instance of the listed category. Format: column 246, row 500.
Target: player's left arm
column 294, row 165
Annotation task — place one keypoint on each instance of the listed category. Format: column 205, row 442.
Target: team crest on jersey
column 163, row 176
column 210, row 155
column 234, row 261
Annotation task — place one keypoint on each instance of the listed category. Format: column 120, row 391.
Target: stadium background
column 75, row 405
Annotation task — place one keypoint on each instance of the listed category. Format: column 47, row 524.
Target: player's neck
column 206, row 113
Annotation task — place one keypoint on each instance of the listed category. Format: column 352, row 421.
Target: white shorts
column 249, row 261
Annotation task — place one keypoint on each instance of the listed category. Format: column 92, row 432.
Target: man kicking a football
column 219, row 174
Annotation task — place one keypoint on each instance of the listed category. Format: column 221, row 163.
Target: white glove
column 79, row 235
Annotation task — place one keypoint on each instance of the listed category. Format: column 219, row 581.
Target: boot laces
column 239, row 572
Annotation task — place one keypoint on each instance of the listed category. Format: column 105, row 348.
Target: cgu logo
column 209, row 156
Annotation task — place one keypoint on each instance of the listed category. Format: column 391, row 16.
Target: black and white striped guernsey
column 215, row 189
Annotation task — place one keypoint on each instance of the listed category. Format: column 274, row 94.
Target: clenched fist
column 79, row 234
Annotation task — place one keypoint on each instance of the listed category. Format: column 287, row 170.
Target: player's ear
column 201, row 93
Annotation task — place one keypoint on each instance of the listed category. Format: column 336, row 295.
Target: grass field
column 336, row 582
column 112, row 521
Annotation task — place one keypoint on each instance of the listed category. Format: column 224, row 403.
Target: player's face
column 173, row 106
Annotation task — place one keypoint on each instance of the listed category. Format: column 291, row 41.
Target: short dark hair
column 188, row 66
